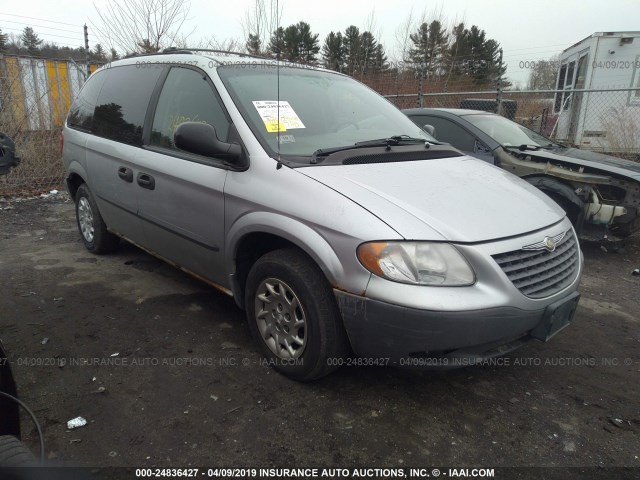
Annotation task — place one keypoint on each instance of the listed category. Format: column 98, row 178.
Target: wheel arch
column 258, row 233
column 75, row 178
column 554, row 188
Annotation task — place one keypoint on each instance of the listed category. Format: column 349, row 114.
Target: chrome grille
column 541, row 273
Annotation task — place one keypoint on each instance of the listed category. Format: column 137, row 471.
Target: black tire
column 14, row 453
column 325, row 341
column 99, row 239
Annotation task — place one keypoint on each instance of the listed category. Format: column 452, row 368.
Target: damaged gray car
column 600, row 193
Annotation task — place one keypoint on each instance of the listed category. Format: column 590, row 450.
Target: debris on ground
column 617, row 422
column 76, row 423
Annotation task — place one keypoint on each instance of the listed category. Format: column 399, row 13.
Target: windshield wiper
column 554, row 146
column 378, row 142
column 395, row 140
column 522, row 147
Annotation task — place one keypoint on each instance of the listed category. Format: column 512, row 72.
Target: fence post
column 420, row 85
column 86, row 50
column 499, row 86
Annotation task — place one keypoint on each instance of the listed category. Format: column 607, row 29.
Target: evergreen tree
column 254, row 44
column 99, row 54
column 30, row 40
column 476, row 56
column 460, row 49
column 333, row 52
column 430, row 45
column 351, row 43
column 308, row 44
column 276, row 42
column 291, row 49
column 114, row 55
column 295, row 43
column 368, row 46
column 381, row 59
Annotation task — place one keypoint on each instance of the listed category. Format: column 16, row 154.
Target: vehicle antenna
column 279, row 164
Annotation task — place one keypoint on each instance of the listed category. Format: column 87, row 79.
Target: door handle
column 146, row 181
column 125, row 174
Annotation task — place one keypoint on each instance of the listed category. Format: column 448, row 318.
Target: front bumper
column 400, row 334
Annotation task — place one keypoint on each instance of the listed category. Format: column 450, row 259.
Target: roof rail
column 210, row 50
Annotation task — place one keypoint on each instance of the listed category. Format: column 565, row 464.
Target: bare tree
column 141, row 25
column 370, row 44
column 259, row 23
column 543, row 75
column 212, row 42
column 403, row 38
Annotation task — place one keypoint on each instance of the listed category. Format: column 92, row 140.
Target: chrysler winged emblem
column 547, row 243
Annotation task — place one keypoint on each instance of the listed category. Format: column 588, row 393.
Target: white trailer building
column 599, row 108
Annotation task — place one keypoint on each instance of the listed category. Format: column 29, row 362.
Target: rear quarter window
column 123, row 101
column 81, row 113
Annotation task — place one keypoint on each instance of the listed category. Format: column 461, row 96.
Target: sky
column 527, row 31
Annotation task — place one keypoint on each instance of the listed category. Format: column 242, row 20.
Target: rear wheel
column 96, row 237
column 293, row 315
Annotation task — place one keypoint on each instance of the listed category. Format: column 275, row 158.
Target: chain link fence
column 35, row 96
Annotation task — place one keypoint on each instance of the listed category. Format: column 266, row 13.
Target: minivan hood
column 460, row 199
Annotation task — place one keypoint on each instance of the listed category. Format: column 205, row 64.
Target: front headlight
column 416, row 263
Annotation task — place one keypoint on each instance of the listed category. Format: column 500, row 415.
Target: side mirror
column 430, row 129
column 201, row 139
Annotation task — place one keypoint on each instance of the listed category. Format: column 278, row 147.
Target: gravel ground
column 164, row 370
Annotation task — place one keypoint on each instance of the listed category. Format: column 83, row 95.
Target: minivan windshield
column 317, row 110
column 508, row 133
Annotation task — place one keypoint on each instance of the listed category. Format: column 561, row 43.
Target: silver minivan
column 336, row 223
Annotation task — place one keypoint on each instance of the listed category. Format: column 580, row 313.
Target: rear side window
column 122, row 103
column 81, row 113
column 186, row 96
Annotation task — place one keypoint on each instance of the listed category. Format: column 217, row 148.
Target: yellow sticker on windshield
column 277, row 116
column 274, row 126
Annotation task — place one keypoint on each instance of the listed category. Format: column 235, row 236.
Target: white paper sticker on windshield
column 286, row 119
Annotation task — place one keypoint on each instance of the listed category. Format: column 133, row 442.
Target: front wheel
column 96, row 237
column 293, row 315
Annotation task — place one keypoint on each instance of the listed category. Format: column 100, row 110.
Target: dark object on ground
column 8, row 157
column 10, row 418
